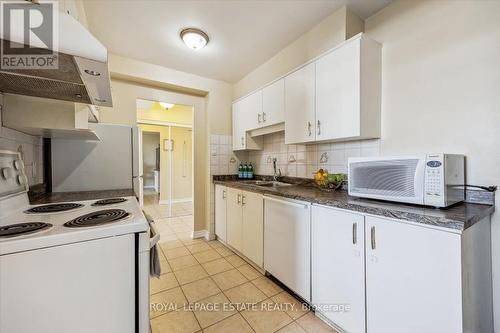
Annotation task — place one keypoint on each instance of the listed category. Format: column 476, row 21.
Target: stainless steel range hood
column 82, row 75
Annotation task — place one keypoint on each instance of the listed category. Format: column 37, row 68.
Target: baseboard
column 168, row 202
column 201, row 234
column 149, row 187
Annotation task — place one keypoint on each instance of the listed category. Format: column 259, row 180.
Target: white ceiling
column 243, row 34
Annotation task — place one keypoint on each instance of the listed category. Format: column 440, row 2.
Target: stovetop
column 82, row 222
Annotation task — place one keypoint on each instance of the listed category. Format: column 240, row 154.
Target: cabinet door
column 234, row 223
column 413, row 278
column 273, row 103
column 253, row 227
column 338, row 267
column 287, row 243
column 299, row 105
column 338, row 106
column 251, row 114
column 238, row 136
column 220, row 212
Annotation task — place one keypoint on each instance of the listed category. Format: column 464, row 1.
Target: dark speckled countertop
column 46, row 198
column 457, row 217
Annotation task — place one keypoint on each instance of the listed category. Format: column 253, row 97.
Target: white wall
column 441, row 88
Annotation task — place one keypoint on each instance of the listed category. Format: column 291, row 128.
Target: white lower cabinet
column 220, row 212
column 338, row 267
column 244, row 224
column 287, row 243
column 413, row 279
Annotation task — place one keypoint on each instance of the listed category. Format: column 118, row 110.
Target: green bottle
column 245, row 170
column 240, row 170
column 250, row 171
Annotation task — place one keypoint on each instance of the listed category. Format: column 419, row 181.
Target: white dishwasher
column 287, row 243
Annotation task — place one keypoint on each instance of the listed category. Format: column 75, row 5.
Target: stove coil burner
column 111, row 201
column 53, row 208
column 20, row 229
column 97, row 218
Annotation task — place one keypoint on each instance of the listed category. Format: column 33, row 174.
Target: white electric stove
column 80, row 266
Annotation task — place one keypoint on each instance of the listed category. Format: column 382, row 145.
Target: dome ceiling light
column 194, row 38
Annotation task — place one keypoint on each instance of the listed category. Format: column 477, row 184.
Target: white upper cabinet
column 273, row 104
column 299, row 105
column 244, row 119
column 252, row 110
column 348, row 92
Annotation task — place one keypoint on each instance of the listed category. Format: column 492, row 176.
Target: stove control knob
column 18, row 164
column 7, row 173
column 20, row 180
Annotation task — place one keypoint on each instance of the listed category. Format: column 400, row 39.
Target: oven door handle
column 156, row 235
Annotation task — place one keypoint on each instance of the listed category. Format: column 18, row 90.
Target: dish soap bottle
column 240, row 170
column 250, row 171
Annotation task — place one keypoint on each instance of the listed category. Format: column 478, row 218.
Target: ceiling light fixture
column 194, row 38
column 166, row 105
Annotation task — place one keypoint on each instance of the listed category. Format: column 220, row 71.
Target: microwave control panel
column 434, row 179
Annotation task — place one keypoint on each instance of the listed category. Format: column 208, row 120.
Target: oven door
column 389, row 178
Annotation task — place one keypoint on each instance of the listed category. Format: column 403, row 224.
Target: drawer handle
column 319, row 128
column 290, row 203
column 354, row 233
column 258, row 118
column 239, row 198
column 243, row 200
column 309, row 128
column 263, row 117
column 224, row 194
column 373, row 238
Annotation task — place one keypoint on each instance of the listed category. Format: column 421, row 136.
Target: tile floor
column 205, row 287
column 157, row 210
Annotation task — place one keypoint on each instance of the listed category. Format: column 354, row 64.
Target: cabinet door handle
column 309, row 128
column 242, row 141
column 243, row 200
column 354, row 233
column 263, row 117
column 258, row 118
column 319, row 128
column 224, row 194
column 239, row 199
column 373, row 238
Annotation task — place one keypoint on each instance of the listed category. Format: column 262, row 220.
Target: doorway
column 167, row 158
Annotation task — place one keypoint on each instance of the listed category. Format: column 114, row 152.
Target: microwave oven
column 432, row 180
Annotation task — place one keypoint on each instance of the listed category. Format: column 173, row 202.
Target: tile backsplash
column 30, row 148
column 304, row 160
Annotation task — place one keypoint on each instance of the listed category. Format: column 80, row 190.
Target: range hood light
column 194, row 38
column 91, row 72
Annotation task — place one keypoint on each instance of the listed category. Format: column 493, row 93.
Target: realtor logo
column 29, row 35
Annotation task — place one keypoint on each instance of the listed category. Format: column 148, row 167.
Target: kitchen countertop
column 46, row 198
column 458, row 217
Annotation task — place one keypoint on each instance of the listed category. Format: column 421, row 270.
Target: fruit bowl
column 328, row 182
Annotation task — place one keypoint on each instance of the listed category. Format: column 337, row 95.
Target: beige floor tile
column 170, row 244
column 235, row 260
column 229, row 279
column 184, row 237
column 198, row 247
column 206, row 256
column 267, row 286
column 167, row 301
column 177, row 321
column 245, row 293
column 233, row 324
column 212, row 310
column 190, row 274
column 191, row 241
column 292, row 328
column 217, row 266
column 294, row 308
column 249, row 272
column 176, row 253
column 201, row 289
column 165, row 267
column 182, row 262
column 313, row 324
column 265, row 318
column 215, row 244
column 164, row 282
column 224, row 251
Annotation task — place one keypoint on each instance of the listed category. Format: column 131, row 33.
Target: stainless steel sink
column 266, row 183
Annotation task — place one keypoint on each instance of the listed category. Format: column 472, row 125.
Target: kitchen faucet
column 276, row 175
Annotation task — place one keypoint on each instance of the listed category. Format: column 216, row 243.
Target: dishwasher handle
column 286, row 202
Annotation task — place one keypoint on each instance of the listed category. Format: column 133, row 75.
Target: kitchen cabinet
column 300, row 105
column 413, row 279
column 338, row 267
column 287, row 243
column 244, row 224
column 245, row 113
column 348, row 91
column 273, row 104
column 220, row 212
